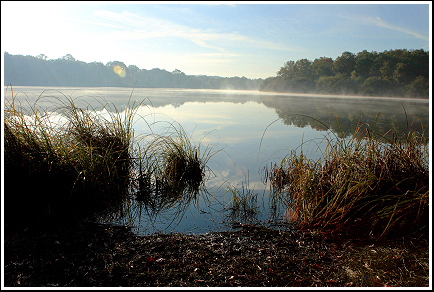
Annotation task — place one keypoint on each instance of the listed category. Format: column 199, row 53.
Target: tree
column 364, row 63
column 323, row 67
column 113, row 64
column 419, row 87
column 68, row 57
column 300, row 69
column 401, row 73
column 133, row 68
column 288, row 71
column 376, row 85
column 42, row 57
column 177, row 71
column 419, row 63
column 345, row 64
column 304, row 69
column 387, row 70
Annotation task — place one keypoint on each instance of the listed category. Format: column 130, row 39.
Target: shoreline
column 89, row 255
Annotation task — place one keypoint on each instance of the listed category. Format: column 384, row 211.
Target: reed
column 174, row 160
column 71, row 158
column 371, row 183
column 66, row 160
column 243, row 208
column 170, row 170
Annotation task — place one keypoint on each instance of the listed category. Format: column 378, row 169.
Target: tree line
column 22, row 70
column 389, row 73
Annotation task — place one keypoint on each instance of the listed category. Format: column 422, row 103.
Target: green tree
column 305, row 69
column 387, row 70
column 376, row 86
column 419, row 87
column 288, row 71
column 323, row 67
column 344, row 64
column 402, row 74
column 365, row 63
column 300, row 69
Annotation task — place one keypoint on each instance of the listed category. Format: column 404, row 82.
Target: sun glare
column 118, row 70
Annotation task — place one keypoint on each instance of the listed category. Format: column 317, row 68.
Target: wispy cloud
column 135, row 27
column 205, row 45
column 377, row 21
column 100, row 23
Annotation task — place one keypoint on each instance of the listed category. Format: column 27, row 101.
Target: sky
column 251, row 39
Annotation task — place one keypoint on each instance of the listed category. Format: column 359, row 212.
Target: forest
column 22, row 70
column 398, row 73
column 401, row 73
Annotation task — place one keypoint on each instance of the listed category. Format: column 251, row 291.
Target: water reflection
column 343, row 116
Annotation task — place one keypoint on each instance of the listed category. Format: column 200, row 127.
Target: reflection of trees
column 343, row 116
column 117, row 99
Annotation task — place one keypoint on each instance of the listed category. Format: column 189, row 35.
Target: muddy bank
column 100, row 255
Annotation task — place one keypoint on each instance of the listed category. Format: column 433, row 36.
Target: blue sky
column 211, row 38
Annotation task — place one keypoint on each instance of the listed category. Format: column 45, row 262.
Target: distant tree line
column 22, row 70
column 389, row 73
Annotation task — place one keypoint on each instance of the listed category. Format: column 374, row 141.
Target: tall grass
column 170, row 170
column 174, row 160
column 378, row 184
column 71, row 159
column 66, row 160
column 243, row 208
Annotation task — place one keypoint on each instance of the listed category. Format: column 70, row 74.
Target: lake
column 249, row 130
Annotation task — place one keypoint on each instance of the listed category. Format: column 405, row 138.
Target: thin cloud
column 377, row 21
column 205, row 45
column 138, row 27
column 100, row 23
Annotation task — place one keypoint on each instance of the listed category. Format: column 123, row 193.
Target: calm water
column 252, row 130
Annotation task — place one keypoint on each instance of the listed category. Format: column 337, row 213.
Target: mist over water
column 251, row 128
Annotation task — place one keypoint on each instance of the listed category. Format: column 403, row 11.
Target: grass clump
column 243, row 208
column 364, row 183
column 69, row 159
column 170, row 169
column 64, row 161
column 64, row 158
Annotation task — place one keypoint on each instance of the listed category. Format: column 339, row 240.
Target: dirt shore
column 88, row 255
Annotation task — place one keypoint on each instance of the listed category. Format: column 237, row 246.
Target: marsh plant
column 170, row 171
column 63, row 160
column 243, row 207
column 66, row 160
column 372, row 183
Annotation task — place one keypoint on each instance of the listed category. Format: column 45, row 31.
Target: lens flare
column 118, row 70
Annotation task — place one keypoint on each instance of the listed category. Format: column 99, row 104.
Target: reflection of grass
column 244, row 204
column 379, row 187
